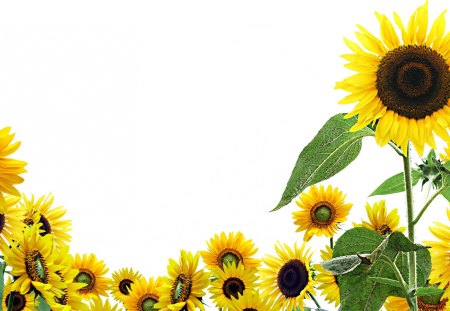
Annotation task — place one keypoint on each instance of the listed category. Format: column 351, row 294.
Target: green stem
column 314, row 299
column 424, row 208
column 396, row 148
column 410, row 212
column 331, row 243
column 399, row 277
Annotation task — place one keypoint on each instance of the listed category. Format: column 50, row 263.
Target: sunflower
column 224, row 249
column 380, row 220
column 21, row 301
column 287, row 278
column 98, row 305
column 143, row 294
column 327, row 280
column 49, row 218
column 251, row 301
column 32, row 262
column 91, row 272
column 230, row 282
column 440, row 255
column 446, row 155
column 401, row 84
column 400, row 304
column 184, row 287
column 320, row 211
column 121, row 282
column 10, row 221
column 10, row 169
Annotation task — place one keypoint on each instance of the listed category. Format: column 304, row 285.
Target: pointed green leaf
column 330, row 151
column 429, row 294
column 343, row 264
column 395, row 184
column 43, row 305
column 400, row 243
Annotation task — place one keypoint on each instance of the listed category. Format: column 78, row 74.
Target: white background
column 158, row 124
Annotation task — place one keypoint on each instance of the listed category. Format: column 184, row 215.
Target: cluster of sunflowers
column 402, row 90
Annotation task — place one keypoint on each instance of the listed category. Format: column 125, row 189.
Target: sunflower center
column 45, row 225
column 233, row 287
column 432, row 307
column 147, row 302
column 249, row 309
column 87, row 277
column 227, row 256
column 2, row 222
column 19, row 302
column 383, row 230
column 292, row 278
column 413, row 81
column 36, row 267
column 124, row 286
column 28, row 221
column 181, row 288
column 64, row 299
column 322, row 213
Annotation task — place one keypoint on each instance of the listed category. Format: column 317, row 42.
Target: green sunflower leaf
column 329, row 152
column 2, row 278
column 43, row 305
column 431, row 295
column 395, row 184
column 386, row 281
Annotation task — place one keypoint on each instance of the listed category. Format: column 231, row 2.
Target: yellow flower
column 11, row 219
column 121, row 282
column 49, row 218
column 288, row 277
column 232, row 248
column 98, row 305
column 185, row 285
column 327, row 281
column 380, row 220
column 440, row 255
column 21, row 300
column 400, row 304
column 251, row 301
column 10, row 169
column 143, row 294
column 401, row 82
column 230, row 282
column 91, row 272
column 32, row 260
column 320, row 211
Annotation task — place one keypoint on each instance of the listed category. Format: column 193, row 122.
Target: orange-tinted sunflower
column 401, row 81
column 11, row 218
column 327, row 281
column 121, row 282
column 380, row 220
column 143, row 294
column 224, row 249
column 321, row 211
column 91, row 272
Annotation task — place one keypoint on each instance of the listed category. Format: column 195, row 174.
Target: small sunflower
column 21, row 301
column 98, row 305
column 10, row 220
column 404, row 85
column 10, row 169
column 380, row 220
column 287, row 278
column 91, row 272
column 184, row 288
column 327, row 281
column 224, row 249
column 143, row 294
column 321, row 211
column 121, row 282
column 400, row 304
column 49, row 218
column 251, row 301
column 440, row 255
column 32, row 262
column 230, row 282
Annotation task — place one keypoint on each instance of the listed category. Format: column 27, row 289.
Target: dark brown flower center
column 383, row 230
column 322, row 213
column 292, row 278
column 413, row 81
column 124, row 286
column 45, row 225
column 227, row 256
column 36, row 267
column 432, row 307
column 233, row 287
column 147, row 302
column 19, row 302
column 249, row 309
column 181, row 288
column 87, row 277
column 2, row 222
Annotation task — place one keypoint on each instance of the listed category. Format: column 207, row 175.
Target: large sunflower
column 287, row 278
column 32, row 260
column 10, row 220
column 10, row 169
column 91, row 272
column 121, row 282
column 327, row 281
column 251, row 301
column 400, row 304
column 380, row 220
column 185, row 285
column 403, row 84
column 21, row 301
column 224, row 249
column 49, row 218
column 440, row 255
column 143, row 294
column 320, row 211
column 230, row 282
